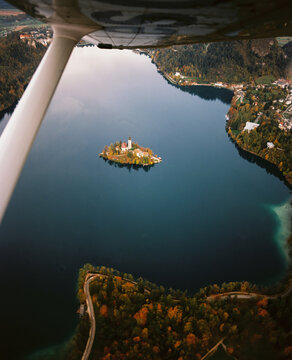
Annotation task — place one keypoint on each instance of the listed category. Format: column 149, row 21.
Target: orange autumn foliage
column 145, row 333
column 230, row 350
column 156, row 349
column 263, row 302
column 103, row 310
column 136, row 339
column 175, row 313
column 127, row 286
column 177, row 344
column 191, row 339
column 141, row 316
column 150, row 306
column 288, row 351
column 263, row 312
column 107, row 356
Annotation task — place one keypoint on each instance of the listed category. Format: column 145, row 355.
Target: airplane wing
column 123, row 24
column 129, row 24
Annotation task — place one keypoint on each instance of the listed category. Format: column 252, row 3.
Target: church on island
column 129, row 153
column 124, row 145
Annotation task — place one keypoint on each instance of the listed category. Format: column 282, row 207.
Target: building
column 129, row 143
column 281, row 82
column 249, row 126
column 270, row 145
column 138, row 152
column 124, row 146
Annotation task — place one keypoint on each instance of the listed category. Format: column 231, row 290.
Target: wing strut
column 18, row 136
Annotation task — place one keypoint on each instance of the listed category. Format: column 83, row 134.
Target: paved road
column 247, row 295
column 214, row 348
column 90, row 310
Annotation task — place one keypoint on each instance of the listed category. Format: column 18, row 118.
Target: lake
column 204, row 215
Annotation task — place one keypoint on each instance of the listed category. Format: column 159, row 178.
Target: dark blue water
column 199, row 217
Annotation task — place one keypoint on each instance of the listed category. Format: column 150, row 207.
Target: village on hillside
column 274, row 100
column 129, row 153
column 260, row 121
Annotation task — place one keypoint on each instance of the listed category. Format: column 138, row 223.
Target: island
column 129, row 153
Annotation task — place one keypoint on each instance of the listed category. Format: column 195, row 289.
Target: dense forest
column 231, row 62
column 139, row 320
column 18, row 61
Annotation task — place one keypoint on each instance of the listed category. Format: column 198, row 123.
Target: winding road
column 249, row 295
column 90, row 310
column 90, row 277
column 239, row 294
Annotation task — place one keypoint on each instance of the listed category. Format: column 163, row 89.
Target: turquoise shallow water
column 283, row 214
column 199, row 217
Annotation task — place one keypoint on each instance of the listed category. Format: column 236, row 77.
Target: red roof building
column 124, row 146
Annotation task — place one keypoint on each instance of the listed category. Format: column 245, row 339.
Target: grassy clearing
column 267, row 79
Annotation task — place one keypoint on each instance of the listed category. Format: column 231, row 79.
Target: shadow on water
column 264, row 164
column 129, row 167
column 206, row 92
column 209, row 93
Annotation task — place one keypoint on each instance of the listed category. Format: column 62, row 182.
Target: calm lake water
column 201, row 216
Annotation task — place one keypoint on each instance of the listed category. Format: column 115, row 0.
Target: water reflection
column 129, row 167
column 206, row 92
column 210, row 93
column 264, row 164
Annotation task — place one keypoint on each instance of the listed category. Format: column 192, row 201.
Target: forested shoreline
column 245, row 61
column 138, row 319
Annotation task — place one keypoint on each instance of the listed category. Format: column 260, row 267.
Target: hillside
column 231, row 62
column 18, row 62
